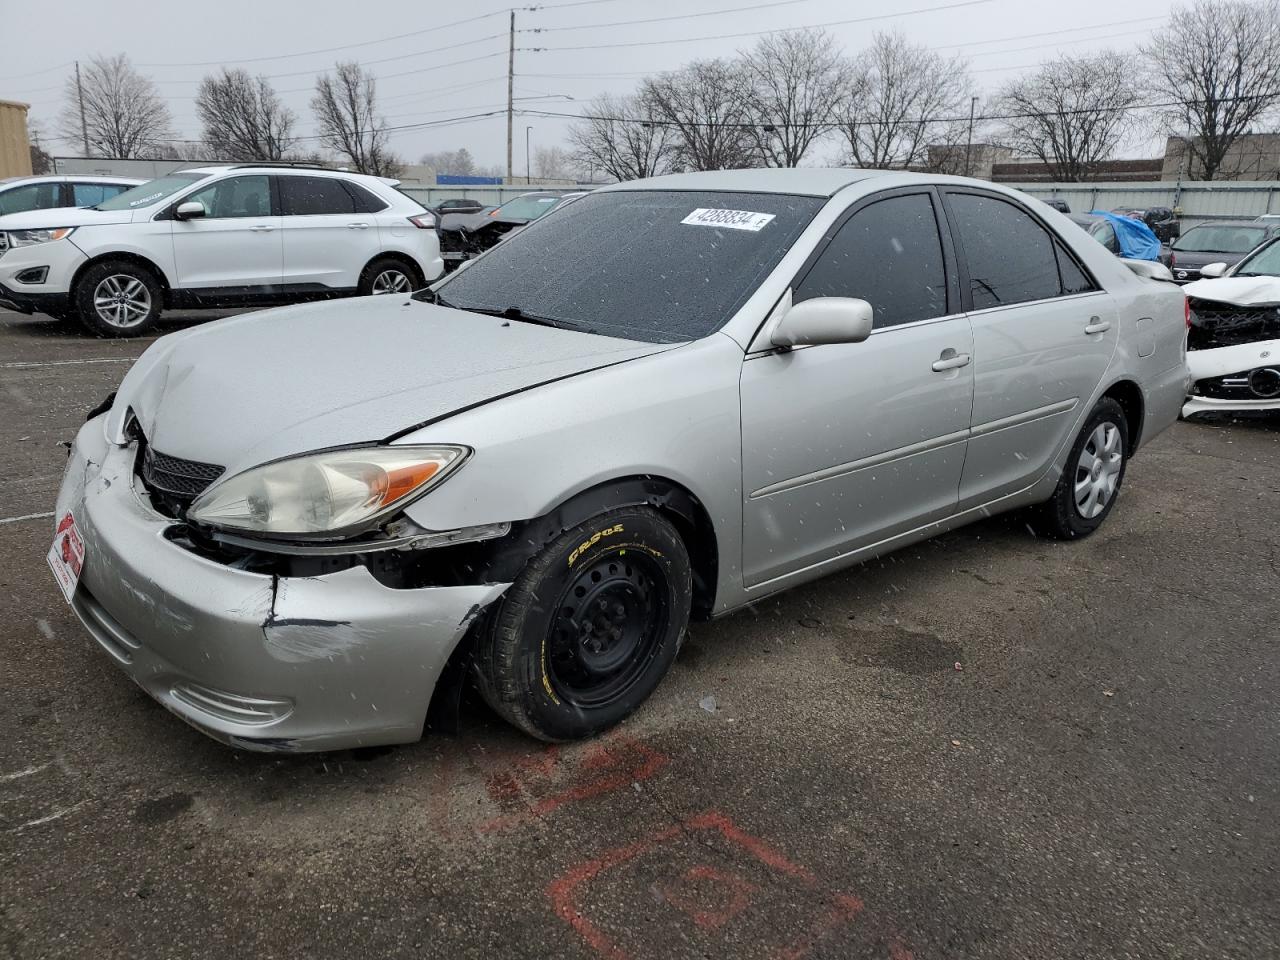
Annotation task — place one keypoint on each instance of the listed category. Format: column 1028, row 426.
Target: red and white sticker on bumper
column 66, row 556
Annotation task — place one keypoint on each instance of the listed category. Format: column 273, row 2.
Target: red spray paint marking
column 611, row 766
column 683, row 895
column 562, row 891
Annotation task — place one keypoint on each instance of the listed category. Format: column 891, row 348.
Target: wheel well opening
column 1129, row 395
column 401, row 258
column 132, row 258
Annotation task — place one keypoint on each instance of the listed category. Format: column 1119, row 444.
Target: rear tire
column 393, row 275
column 1091, row 478
column 589, row 627
column 117, row 298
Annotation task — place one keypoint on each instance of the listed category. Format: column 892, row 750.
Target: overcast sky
column 434, row 71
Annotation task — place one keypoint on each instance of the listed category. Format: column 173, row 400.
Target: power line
column 758, row 33
column 919, row 120
column 346, row 46
column 1052, row 33
column 679, row 16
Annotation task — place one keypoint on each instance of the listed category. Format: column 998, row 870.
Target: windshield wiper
column 518, row 315
column 427, row 295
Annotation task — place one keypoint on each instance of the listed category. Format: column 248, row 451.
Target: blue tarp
column 1136, row 240
column 458, row 180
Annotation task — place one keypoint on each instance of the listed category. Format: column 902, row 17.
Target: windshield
column 153, row 191
column 643, row 265
column 526, row 208
column 1225, row 238
column 1264, row 263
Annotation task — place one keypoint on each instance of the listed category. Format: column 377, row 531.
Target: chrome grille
column 184, row 479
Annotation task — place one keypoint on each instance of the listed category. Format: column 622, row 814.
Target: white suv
column 217, row 236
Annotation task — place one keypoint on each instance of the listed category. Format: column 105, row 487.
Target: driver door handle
column 261, row 228
column 951, row 362
column 1097, row 326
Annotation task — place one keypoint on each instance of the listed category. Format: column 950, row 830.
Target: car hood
column 1196, row 259
column 63, row 217
column 1238, row 291
column 255, row 388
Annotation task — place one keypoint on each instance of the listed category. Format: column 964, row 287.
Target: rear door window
column 314, row 196
column 90, row 194
column 31, row 196
column 888, row 254
column 1010, row 256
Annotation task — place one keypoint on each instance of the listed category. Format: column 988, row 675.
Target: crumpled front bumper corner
column 253, row 660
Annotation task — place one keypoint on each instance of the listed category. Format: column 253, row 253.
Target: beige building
column 15, row 149
column 1254, row 156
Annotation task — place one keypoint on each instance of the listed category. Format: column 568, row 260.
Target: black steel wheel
column 589, row 627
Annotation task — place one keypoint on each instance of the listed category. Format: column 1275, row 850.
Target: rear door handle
column 951, row 362
column 357, row 226
column 1097, row 326
column 261, row 228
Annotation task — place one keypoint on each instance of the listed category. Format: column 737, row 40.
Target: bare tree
column 345, row 106
column 797, row 86
column 1072, row 113
column 624, row 137
column 123, row 114
column 457, row 162
column 1221, row 59
column 900, row 94
column 708, row 104
column 243, row 118
column 553, row 163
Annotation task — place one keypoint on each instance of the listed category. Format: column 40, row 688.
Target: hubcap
column 391, row 281
column 1098, row 470
column 609, row 623
column 122, row 300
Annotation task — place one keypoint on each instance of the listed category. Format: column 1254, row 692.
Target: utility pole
column 527, row 172
column 968, row 147
column 84, row 127
column 511, row 87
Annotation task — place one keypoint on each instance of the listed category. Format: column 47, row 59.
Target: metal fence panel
column 1197, row 201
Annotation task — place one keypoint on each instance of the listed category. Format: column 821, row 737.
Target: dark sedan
column 1224, row 241
column 463, row 236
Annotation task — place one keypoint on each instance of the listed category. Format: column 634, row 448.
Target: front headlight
column 326, row 495
column 29, row 238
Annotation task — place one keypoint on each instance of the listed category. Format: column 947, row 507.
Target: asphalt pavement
column 988, row 745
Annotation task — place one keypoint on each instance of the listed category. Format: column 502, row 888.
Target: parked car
column 465, row 236
column 1134, row 239
column 1164, row 223
column 1222, row 241
column 216, row 236
column 1058, row 204
column 20, row 194
column 298, row 534
column 457, row 205
column 1233, row 345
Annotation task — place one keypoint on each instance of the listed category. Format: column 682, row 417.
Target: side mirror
column 190, row 210
column 1214, row 270
column 824, row 320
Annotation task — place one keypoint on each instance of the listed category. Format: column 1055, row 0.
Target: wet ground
column 985, row 746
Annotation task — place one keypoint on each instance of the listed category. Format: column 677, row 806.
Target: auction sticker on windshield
column 66, row 556
column 732, row 219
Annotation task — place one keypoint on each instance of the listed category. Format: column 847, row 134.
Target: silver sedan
column 309, row 528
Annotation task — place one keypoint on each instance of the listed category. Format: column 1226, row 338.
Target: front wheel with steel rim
column 589, row 627
column 1091, row 479
column 389, row 275
column 118, row 299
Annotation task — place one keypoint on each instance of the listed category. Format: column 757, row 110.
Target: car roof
column 804, row 181
column 70, row 178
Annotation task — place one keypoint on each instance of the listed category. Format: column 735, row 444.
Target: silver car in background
column 307, row 528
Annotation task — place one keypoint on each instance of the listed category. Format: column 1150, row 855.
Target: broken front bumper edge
column 252, row 660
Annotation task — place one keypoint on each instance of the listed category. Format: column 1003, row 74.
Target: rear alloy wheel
column 1091, row 479
column 117, row 299
column 389, row 276
column 589, row 627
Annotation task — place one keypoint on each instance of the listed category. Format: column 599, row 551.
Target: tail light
column 1173, row 259
column 424, row 221
column 493, row 213
column 1186, row 311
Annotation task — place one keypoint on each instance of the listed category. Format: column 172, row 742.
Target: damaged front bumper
column 254, row 660
column 1241, row 378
